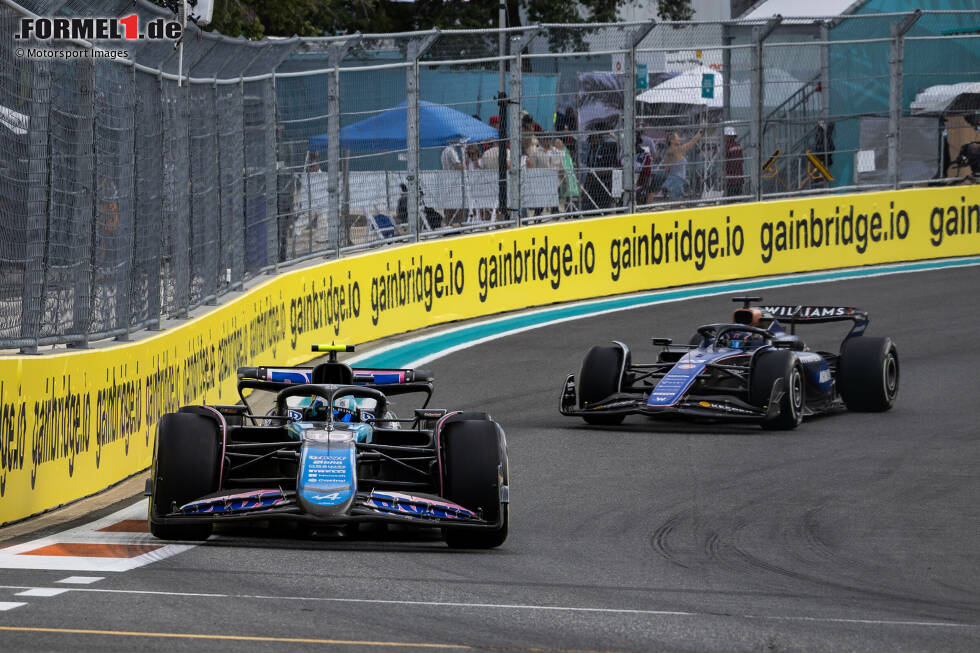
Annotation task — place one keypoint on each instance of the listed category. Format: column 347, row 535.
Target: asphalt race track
column 854, row 532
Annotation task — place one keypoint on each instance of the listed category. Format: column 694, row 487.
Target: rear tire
column 185, row 467
column 769, row 367
column 476, row 465
column 601, row 376
column 868, row 374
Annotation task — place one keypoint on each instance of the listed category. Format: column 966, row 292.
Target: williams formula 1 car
column 330, row 452
column 751, row 369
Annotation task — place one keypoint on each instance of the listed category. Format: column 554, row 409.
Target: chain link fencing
column 132, row 191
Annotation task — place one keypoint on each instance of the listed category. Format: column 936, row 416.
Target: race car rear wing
column 362, row 376
column 388, row 380
column 799, row 314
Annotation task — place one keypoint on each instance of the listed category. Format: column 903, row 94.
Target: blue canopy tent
column 438, row 125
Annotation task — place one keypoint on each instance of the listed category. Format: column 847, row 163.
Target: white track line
column 44, row 591
column 81, row 580
column 10, row 605
column 530, row 607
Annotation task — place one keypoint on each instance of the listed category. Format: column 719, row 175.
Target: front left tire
column 600, row 376
column 185, row 467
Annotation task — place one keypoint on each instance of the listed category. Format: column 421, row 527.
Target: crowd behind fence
column 132, row 192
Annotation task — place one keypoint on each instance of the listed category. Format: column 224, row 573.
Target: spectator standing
column 601, row 158
column 450, row 158
column 401, row 212
column 491, row 158
column 567, row 123
column 451, row 161
column 473, row 157
column 651, row 145
column 472, row 161
column 540, row 157
column 530, row 152
column 734, row 175
column 568, row 189
column 676, row 164
column 528, row 123
column 644, row 172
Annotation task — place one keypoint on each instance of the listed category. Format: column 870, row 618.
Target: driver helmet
column 739, row 339
column 344, row 409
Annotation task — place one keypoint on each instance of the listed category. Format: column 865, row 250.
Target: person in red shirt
column 734, row 177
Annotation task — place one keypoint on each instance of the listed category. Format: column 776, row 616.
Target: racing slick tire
column 868, row 373
column 475, row 468
column 185, row 467
column 601, row 376
column 769, row 367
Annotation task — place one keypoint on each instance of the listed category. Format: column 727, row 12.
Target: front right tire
column 475, row 469
column 769, row 367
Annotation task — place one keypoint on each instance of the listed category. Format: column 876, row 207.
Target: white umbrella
column 686, row 89
column 963, row 97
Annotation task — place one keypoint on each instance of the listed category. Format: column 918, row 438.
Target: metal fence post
column 757, row 102
column 416, row 48
column 412, row 137
column 81, row 307
column 182, row 241
column 726, row 64
column 269, row 108
column 38, row 171
column 825, row 73
column 501, row 109
column 629, row 116
column 154, row 266
column 334, row 56
column 629, row 130
column 125, row 279
column 514, row 199
column 896, row 65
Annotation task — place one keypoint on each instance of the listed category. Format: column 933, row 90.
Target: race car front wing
column 697, row 406
column 373, row 506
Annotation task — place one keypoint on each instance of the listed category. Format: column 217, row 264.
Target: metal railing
column 132, row 192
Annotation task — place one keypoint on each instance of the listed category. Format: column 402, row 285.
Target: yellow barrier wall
column 71, row 424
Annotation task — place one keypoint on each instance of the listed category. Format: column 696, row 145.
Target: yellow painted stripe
column 238, row 638
column 291, row 640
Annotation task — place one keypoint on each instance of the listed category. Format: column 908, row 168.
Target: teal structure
column 859, row 72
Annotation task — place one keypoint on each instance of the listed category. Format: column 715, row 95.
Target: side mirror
column 662, row 342
column 427, row 417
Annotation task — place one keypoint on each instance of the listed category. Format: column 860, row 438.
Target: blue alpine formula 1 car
column 751, row 369
column 330, row 452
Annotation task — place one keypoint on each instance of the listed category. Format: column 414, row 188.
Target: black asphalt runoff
column 856, row 532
